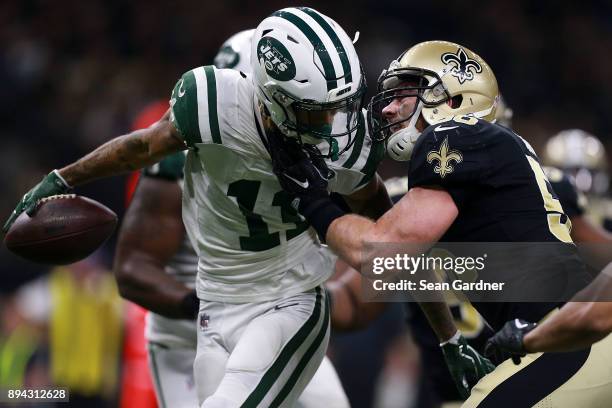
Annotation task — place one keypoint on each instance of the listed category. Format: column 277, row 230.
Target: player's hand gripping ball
column 61, row 230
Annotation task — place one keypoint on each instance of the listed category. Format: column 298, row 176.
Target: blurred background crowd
column 75, row 73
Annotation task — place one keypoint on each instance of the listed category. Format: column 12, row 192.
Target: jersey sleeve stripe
column 185, row 108
column 346, row 66
column 207, row 105
column 213, row 118
column 377, row 152
column 201, row 105
column 357, row 146
column 328, row 66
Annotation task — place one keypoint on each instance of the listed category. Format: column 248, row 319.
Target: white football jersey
column 252, row 245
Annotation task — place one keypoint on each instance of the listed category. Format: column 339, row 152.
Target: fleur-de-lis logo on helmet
column 445, row 157
column 463, row 67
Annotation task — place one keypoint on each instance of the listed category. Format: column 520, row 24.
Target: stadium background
column 73, row 74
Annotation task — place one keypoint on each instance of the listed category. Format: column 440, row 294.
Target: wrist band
column 453, row 340
column 59, row 176
column 320, row 214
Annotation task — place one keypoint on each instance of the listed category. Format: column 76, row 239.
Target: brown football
column 65, row 228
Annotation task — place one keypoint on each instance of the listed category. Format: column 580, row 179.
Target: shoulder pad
column 194, row 106
column 468, row 134
column 454, row 152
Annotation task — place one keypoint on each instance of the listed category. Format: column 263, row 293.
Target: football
column 65, row 228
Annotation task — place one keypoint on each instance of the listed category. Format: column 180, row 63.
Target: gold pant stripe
column 581, row 379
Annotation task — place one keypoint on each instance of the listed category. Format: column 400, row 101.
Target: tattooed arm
column 122, row 154
column 125, row 153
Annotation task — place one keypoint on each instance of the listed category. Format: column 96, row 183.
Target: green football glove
column 52, row 184
column 465, row 364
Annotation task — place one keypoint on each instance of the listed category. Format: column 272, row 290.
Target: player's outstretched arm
column 419, row 219
column 422, row 216
column 151, row 234
column 125, row 153
column 579, row 323
column 122, row 154
column 585, row 320
column 576, row 326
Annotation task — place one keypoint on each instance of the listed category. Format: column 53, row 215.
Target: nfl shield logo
column 204, row 319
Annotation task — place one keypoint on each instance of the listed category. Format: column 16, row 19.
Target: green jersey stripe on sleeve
column 213, row 118
column 184, row 104
column 357, row 146
column 377, row 153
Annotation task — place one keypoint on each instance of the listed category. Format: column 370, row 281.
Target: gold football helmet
column 583, row 156
column 446, row 78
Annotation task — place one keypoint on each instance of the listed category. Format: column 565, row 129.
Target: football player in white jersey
column 156, row 267
column 263, row 318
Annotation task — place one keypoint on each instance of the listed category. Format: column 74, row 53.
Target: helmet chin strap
column 401, row 143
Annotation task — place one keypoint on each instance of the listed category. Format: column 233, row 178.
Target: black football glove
column 508, row 342
column 300, row 170
column 303, row 173
column 465, row 364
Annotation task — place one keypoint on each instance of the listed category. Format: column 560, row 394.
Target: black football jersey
column 495, row 180
column 437, row 382
column 503, row 195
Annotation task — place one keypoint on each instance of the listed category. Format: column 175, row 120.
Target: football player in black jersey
column 581, row 171
column 469, row 181
column 350, row 312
